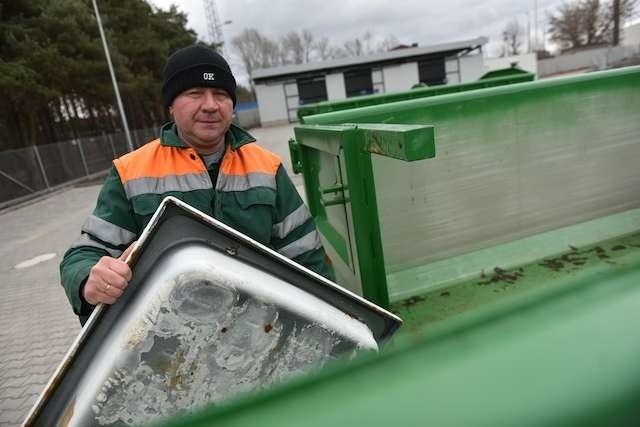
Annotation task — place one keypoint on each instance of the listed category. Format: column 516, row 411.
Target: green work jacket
column 253, row 194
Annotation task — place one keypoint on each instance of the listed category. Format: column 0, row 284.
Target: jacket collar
column 236, row 137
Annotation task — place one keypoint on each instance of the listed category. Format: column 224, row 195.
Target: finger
column 106, row 299
column 127, row 252
column 112, row 291
column 121, row 268
column 91, row 295
column 106, row 293
column 112, row 278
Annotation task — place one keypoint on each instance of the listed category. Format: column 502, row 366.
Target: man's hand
column 108, row 279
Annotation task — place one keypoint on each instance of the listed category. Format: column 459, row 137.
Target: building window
column 358, row 82
column 312, row 90
column 432, row 72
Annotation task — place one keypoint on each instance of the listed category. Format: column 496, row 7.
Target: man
column 202, row 159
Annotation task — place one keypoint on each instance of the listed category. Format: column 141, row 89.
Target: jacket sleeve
column 106, row 232
column 294, row 232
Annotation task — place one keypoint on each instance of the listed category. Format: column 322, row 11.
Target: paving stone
column 16, row 405
column 38, row 324
column 12, row 417
column 13, row 382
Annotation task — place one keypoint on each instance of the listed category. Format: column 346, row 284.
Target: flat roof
column 265, row 73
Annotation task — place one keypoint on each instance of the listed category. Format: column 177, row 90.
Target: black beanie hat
column 196, row 66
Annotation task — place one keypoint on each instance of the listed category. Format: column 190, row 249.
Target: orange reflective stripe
column 250, row 158
column 154, row 160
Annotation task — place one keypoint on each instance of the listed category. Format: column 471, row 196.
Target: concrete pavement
column 37, row 325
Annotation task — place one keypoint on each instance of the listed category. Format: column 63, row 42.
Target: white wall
column 271, row 103
column 592, row 59
column 631, row 36
column 335, row 86
column 451, row 66
column 527, row 62
column 398, row 78
column 471, row 67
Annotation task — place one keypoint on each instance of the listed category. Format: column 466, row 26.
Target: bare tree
column 292, row 48
column 324, row 50
column 566, row 27
column 259, row 51
column 366, row 45
column 594, row 22
column 586, row 23
column 297, row 47
column 388, row 43
column 354, row 47
column 307, row 44
column 512, row 38
column 256, row 50
column 617, row 13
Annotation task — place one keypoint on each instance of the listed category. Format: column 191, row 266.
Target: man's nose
column 209, row 101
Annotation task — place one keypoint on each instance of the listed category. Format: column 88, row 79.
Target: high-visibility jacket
column 253, row 194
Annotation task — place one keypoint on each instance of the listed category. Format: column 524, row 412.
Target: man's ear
column 171, row 111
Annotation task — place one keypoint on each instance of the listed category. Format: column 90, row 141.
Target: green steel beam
column 357, row 143
column 402, row 142
column 327, row 142
column 296, row 156
column 503, row 96
column 364, row 210
column 397, row 141
column 385, row 98
column 506, row 72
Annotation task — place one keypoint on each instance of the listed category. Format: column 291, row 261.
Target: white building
column 631, row 36
column 281, row 90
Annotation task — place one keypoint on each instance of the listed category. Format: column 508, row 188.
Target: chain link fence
column 27, row 172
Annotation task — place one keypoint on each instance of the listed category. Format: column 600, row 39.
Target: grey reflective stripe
column 85, row 240
column 304, row 244
column 245, row 182
column 107, row 232
column 182, row 183
column 291, row 221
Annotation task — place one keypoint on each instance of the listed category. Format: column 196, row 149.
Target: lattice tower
column 214, row 25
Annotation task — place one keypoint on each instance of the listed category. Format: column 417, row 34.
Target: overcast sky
column 424, row 22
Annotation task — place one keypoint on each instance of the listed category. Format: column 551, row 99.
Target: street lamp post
column 125, row 125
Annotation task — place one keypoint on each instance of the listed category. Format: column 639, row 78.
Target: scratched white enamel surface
column 209, row 328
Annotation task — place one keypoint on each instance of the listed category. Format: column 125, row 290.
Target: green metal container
column 506, row 72
column 503, row 225
column 495, row 177
column 503, row 77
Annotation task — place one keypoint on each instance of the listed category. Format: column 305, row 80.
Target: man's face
column 203, row 115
